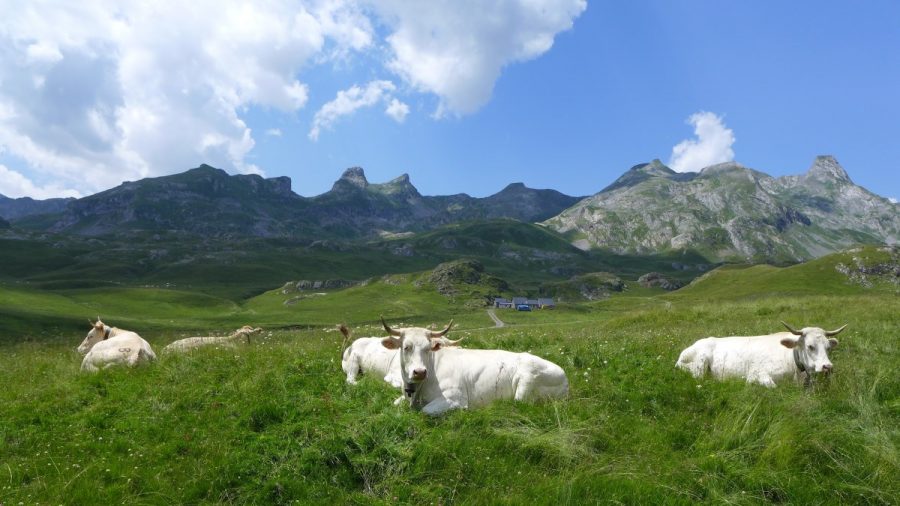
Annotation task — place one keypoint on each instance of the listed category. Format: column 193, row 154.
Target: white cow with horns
column 106, row 346
column 436, row 381
column 762, row 359
column 366, row 355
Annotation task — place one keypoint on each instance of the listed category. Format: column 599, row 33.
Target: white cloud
column 273, row 132
column 711, row 145
column 347, row 102
column 397, row 110
column 892, row 200
column 15, row 185
column 95, row 92
column 456, row 49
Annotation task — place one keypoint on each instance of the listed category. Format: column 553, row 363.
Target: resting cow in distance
column 107, row 346
column 765, row 360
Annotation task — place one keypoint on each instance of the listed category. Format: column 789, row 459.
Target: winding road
column 497, row 321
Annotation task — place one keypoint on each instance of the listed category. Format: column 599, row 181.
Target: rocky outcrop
column 591, row 286
column 326, row 284
column 867, row 272
column 653, row 279
column 466, row 279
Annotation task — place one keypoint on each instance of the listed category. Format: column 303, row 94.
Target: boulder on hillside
column 652, row 279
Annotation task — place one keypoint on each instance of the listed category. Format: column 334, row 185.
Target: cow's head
column 416, row 346
column 811, row 346
column 99, row 331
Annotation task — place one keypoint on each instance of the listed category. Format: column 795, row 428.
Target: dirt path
column 497, row 321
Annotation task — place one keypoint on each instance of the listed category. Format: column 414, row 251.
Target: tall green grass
column 274, row 422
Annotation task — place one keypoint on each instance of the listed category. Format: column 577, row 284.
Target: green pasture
column 274, row 421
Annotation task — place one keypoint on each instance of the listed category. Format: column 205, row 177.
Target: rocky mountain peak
column 827, row 167
column 655, row 165
column 639, row 173
column 720, row 168
column 398, row 185
column 514, row 187
column 401, row 179
column 355, row 176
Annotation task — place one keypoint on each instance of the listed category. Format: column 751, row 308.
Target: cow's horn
column 835, row 332
column 795, row 332
column 443, row 332
column 388, row 328
column 450, row 342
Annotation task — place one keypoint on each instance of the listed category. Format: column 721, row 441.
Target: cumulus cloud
column 273, row 132
column 15, row 185
column 95, row 92
column 711, row 145
column 892, row 200
column 456, row 49
column 397, row 110
column 347, row 102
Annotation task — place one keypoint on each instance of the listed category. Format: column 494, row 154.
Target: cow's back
column 125, row 347
column 486, row 375
column 746, row 357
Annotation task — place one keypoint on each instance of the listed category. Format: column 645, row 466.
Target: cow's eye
column 407, row 348
column 811, row 347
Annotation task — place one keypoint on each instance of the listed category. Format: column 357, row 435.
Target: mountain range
column 728, row 211
column 11, row 209
column 725, row 212
column 208, row 201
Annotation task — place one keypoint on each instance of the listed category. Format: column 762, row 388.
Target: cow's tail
column 345, row 350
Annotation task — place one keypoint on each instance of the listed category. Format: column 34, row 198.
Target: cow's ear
column 789, row 342
column 436, row 344
column 390, row 342
column 832, row 343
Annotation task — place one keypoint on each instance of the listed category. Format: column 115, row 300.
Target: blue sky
column 462, row 100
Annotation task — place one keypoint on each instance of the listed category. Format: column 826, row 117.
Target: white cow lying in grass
column 762, row 359
column 367, row 355
column 106, row 346
column 457, row 378
column 192, row 343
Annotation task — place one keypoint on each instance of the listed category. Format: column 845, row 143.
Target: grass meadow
column 274, row 421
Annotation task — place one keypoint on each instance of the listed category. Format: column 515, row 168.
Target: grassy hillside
column 525, row 255
column 274, row 422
